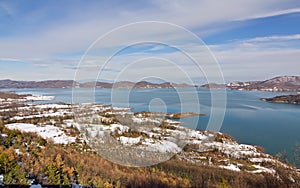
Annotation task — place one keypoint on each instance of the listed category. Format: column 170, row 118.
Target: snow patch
column 261, row 169
column 57, row 106
column 162, row 146
column 231, row 167
column 129, row 141
column 46, row 132
column 39, row 98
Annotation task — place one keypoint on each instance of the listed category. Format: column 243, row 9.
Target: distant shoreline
column 277, row 84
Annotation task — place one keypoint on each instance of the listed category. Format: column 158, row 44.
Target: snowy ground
column 47, row 132
column 163, row 136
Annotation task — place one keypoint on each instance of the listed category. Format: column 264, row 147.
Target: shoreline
column 152, row 133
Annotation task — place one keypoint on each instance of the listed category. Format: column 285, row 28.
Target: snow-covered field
column 47, row 132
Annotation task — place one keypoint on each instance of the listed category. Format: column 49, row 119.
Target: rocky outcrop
column 290, row 99
column 11, row 95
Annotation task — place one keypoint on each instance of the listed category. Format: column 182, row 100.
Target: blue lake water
column 275, row 127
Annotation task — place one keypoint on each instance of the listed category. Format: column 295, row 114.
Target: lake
column 275, row 127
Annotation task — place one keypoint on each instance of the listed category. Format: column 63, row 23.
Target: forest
column 27, row 158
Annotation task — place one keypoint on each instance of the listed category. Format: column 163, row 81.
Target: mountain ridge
column 7, row 83
column 279, row 83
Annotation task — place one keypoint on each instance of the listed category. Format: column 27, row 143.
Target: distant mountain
column 128, row 84
column 145, row 84
column 280, row 83
column 70, row 84
column 37, row 84
column 214, row 85
column 96, row 84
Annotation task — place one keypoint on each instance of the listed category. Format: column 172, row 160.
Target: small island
column 289, row 99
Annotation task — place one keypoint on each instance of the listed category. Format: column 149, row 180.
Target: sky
column 244, row 40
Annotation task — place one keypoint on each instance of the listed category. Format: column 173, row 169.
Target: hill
column 280, row 83
column 37, row 84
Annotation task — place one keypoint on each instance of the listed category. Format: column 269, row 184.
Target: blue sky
column 250, row 39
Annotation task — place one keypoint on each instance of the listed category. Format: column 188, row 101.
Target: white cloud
column 271, row 13
column 11, row 59
column 259, row 58
column 274, row 37
column 80, row 28
column 78, row 31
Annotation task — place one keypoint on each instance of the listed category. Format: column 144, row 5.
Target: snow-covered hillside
column 115, row 132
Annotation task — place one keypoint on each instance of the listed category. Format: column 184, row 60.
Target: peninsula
column 289, row 99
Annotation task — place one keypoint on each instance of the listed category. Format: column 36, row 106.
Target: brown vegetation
column 68, row 164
